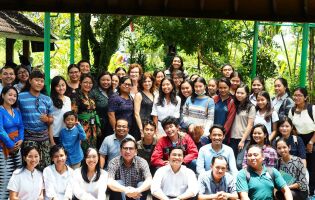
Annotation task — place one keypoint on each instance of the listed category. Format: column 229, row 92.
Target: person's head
column 22, row 73
column 86, row 83
column 58, row 89
column 74, row 73
column 217, row 134
column 255, row 157
column 58, row 155
column 285, row 127
column 128, row 149
column 9, row 96
column 120, row 71
column 121, row 128
column 158, row 76
column 235, row 79
column 200, row 86
column 282, row 147
column 84, row 66
column 70, row 119
column 300, row 96
column 259, row 135
column 170, row 126
column 219, row 166
column 30, row 157
column 242, row 93
column 186, row 89
column 104, row 81
column 125, row 85
column 167, row 86
column 193, row 77
column 263, row 101
column 178, row 77
column 213, row 86
column 227, row 70
column 91, row 162
column 281, row 87
column 115, row 81
column 8, row 75
column 177, row 64
column 149, row 128
column 258, row 85
column 36, row 81
column 224, row 87
column 146, row 82
column 135, row 71
column 176, row 156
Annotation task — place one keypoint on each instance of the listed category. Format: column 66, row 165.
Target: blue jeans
column 122, row 195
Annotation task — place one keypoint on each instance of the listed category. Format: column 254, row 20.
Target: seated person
column 215, row 183
column 174, row 181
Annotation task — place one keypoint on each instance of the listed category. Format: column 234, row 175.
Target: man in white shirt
column 174, row 181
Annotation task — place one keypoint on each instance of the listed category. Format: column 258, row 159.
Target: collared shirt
column 131, row 176
column 253, row 99
column 277, row 102
column 207, row 185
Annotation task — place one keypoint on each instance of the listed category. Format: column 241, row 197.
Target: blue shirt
column 221, row 111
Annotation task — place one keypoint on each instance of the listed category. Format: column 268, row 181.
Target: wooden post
column 9, row 49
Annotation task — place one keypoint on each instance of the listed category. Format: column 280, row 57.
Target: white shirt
column 57, row 185
column 302, row 121
column 260, row 119
column 27, row 184
column 89, row 191
column 58, row 116
column 174, row 184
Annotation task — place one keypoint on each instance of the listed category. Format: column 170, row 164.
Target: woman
column 74, row 80
column 85, row 107
column 282, row 103
column 213, row 87
column 101, row 95
column 244, row 119
column 199, row 108
column 259, row 136
column 90, row 181
column 120, row 72
column 236, row 80
column 258, row 85
column 27, row 182
column 166, row 104
column 22, row 75
column 11, row 137
column 176, row 64
column 115, row 82
column 227, row 70
column 58, row 176
column 293, row 171
column 302, row 117
column 143, row 102
column 186, row 90
column 158, row 77
column 135, row 72
column 178, row 77
column 62, row 104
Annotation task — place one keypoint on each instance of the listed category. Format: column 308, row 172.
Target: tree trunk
column 84, row 40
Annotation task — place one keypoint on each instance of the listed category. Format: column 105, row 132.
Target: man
column 215, row 149
column 8, row 77
column 129, row 175
column 257, row 181
column 84, row 66
column 227, row 70
column 216, row 184
column 110, row 145
column 174, row 181
column 174, row 138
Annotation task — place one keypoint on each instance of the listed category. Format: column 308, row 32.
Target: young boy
column 71, row 137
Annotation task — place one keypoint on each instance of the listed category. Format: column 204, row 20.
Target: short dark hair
column 219, row 158
column 122, row 119
column 169, row 120
column 124, row 141
column 69, row 113
column 83, row 61
column 72, row 66
column 148, row 122
column 176, row 147
column 54, row 149
column 218, row 126
column 6, row 90
column 37, row 74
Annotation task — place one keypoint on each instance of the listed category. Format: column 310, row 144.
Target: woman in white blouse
column 90, row 181
column 27, row 182
column 57, row 177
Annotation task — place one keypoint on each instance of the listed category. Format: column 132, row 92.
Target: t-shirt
column 57, row 114
column 240, row 122
column 260, row 119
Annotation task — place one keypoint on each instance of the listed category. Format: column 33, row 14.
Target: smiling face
column 159, row 77
column 147, row 84
column 224, row 89
column 255, row 158
column 227, row 71
column 37, row 84
column 283, row 149
column 186, row 89
column 176, row 158
column 86, row 85
column 167, row 86
column 212, row 87
column 125, row 87
column 176, row 63
column 8, row 76
column 128, row 151
column 61, row 87
column 235, row 82
column 200, row 88
column 259, row 136
column 299, row 98
column 91, row 159
column 134, row 74
column 257, row 87
column 59, row 158
column 9, row 97
column 121, row 128
column 31, row 159
column 105, row 82
column 121, row 73
column 285, row 129
column 261, row 102
column 23, row 75
column 85, row 67
column 279, row 88
column 74, row 74
column 115, row 81
column 219, row 168
column 216, row 136
column 241, row 94
column 171, row 131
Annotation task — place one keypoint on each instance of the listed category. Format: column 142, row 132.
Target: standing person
column 302, row 116
column 178, row 77
column 143, row 102
column 186, row 90
column 213, row 87
column 258, row 85
column 85, row 107
column 176, row 64
column 22, row 76
column 121, row 72
column 74, row 80
column 236, row 80
column 158, row 77
column 225, row 108
column 282, row 103
column 243, row 121
column 36, row 110
column 227, row 70
column 11, row 137
column 84, row 66
column 166, row 104
column 135, row 71
column 58, row 176
column 90, row 181
column 27, row 182
column 7, row 77
column 199, row 108
column 61, row 103
column 115, row 82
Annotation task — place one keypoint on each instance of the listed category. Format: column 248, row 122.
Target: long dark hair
column 284, row 82
column 109, row 90
column 162, row 95
column 84, row 167
column 180, row 94
column 247, row 103
column 261, row 80
column 282, row 121
column 6, row 90
column 122, row 81
column 264, row 129
column 269, row 109
column 181, row 66
column 25, row 151
column 58, row 103
column 200, row 80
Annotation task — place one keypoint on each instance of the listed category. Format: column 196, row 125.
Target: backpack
column 269, row 171
column 309, row 110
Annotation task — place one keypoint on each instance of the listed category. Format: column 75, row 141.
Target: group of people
column 131, row 133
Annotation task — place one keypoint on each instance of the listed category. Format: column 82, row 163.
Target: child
column 71, row 137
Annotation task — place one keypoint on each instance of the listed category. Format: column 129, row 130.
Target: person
column 178, row 77
column 302, row 116
column 143, row 101
column 214, row 149
column 199, row 108
column 129, row 175
column 36, row 109
column 294, row 169
column 85, row 107
column 7, row 77
column 22, row 76
column 84, row 66
column 110, row 145
column 121, row 72
column 73, row 82
column 71, row 137
column 176, row 64
column 213, row 87
column 158, row 77
column 216, row 183
column 115, row 82
column 174, row 181
column 236, row 80
column 265, row 114
column 166, row 104
column 174, row 137
column 259, row 136
column 58, row 176
column 27, row 181
column 61, row 104
column 225, row 108
column 90, row 181
column 227, row 70
column 11, row 137
column 282, row 103
column 186, row 90
column 243, row 121
column 135, row 72
column 257, row 181
column 193, row 77
column 258, row 85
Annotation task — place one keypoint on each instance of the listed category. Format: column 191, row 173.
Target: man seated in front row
column 215, row 183
column 174, row 137
column 174, row 181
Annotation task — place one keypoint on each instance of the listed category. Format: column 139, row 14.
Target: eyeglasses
column 128, row 148
column 298, row 95
column 22, row 72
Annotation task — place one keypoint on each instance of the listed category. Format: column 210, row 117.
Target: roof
column 15, row 25
column 269, row 10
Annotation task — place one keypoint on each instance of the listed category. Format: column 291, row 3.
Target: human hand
column 44, row 118
column 166, row 162
column 191, row 128
column 309, row 148
column 241, row 145
column 132, row 192
column 222, row 195
column 17, row 145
